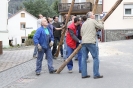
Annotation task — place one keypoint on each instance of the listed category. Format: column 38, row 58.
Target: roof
column 21, row 11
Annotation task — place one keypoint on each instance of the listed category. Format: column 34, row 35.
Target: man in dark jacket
column 44, row 39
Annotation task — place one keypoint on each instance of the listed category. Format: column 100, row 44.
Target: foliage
column 54, row 6
column 48, row 8
column 29, row 42
column 30, row 36
column 38, row 7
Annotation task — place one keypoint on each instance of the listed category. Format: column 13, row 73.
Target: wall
column 3, row 23
column 116, row 21
column 116, row 26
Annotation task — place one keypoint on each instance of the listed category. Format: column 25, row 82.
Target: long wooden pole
column 79, row 47
column 64, row 30
column 112, row 9
column 95, row 6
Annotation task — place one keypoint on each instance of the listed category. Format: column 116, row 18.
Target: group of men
column 79, row 31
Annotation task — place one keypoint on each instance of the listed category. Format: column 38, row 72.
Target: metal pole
column 25, row 34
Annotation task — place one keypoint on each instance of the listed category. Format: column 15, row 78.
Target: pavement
column 15, row 56
column 115, row 65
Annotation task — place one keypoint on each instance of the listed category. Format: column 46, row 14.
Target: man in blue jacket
column 44, row 40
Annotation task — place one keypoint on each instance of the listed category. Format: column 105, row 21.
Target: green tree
column 54, row 6
column 36, row 7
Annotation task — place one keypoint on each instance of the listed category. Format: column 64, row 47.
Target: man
column 57, row 35
column 44, row 40
column 65, row 45
column 88, row 33
column 39, row 20
column 72, row 40
column 38, row 26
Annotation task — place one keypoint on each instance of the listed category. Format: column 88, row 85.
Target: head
column 84, row 18
column 50, row 20
column 44, row 22
column 40, row 16
column 77, row 21
column 55, row 18
column 90, row 15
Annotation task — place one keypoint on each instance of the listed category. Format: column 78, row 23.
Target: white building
column 121, row 20
column 18, row 26
column 3, row 23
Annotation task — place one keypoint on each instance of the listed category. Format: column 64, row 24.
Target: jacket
column 88, row 30
column 40, row 37
column 69, row 40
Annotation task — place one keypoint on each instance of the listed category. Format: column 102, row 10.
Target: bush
column 29, row 42
column 30, row 36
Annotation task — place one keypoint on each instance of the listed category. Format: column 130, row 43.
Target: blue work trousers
column 40, row 59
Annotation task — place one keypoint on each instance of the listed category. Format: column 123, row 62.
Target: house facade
column 81, row 7
column 20, row 25
column 120, row 23
column 4, row 23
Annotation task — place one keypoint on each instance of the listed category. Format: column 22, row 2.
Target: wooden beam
column 64, row 30
column 112, row 10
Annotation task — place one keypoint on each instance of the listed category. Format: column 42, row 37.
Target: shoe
column 34, row 56
column 79, row 71
column 97, row 77
column 37, row 73
column 54, row 57
column 70, row 71
column 88, row 76
column 76, row 59
column 51, row 72
column 61, row 55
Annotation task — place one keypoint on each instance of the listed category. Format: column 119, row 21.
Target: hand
column 80, row 41
column 39, row 47
column 63, row 26
column 51, row 43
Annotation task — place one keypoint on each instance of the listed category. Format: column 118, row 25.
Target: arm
column 98, row 25
column 37, row 36
column 73, row 35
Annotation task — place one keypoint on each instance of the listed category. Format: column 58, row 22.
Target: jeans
column 70, row 64
column 56, row 41
column 86, row 48
column 40, row 59
column 35, row 51
column 65, row 49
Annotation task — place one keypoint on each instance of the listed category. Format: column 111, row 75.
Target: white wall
column 116, row 21
column 14, row 26
column 3, row 23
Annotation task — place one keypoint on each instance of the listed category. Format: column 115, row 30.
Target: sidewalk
column 115, row 65
column 15, row 56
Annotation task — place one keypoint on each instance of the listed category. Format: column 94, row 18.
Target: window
column 22, row 25
column 76, row 1
column 97, row 17
column 128, row 10
column 99, row 2
column 23, row 15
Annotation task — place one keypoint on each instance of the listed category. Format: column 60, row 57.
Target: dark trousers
column 56, row 41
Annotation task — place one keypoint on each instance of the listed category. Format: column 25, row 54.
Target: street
column 115, row 65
